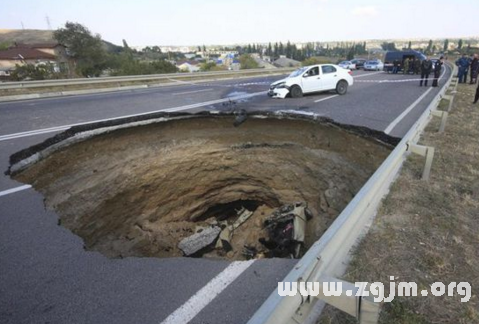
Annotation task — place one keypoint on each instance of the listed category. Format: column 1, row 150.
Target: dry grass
column 429, row 231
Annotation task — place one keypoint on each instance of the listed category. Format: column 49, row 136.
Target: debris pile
column 283, row 234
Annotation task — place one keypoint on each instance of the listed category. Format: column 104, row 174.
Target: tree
column 388, row 46
column 86, row 50
column 459, row 44
column 409, row 45
column 429, row 47
column 247, row 62
column 446, row 45
column 276, row 51
column 350, row 55
column 269, row 51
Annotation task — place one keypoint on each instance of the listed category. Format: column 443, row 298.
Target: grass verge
column 428, row 232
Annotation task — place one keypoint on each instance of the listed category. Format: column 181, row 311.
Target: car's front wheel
column 342, row 87
column 296, row 92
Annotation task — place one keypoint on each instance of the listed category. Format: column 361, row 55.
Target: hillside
column 25, row 36
column 30, row 36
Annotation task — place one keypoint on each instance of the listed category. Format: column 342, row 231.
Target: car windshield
column 298, row 72
column 372, row 62
column 344, row 62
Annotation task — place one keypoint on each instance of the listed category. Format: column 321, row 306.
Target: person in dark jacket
column 463, row 65
column 437, row 71
column 426, row 67
column 474, row 69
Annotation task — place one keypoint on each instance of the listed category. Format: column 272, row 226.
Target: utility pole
column 23, row 27
column 48, row 22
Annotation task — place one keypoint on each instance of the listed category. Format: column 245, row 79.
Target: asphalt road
column 47, row 277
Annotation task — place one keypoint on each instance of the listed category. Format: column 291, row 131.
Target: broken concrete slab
column 192, row 244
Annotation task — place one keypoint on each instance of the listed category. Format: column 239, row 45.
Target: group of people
column 468, row 65
column 408, row 66
column 427, row 67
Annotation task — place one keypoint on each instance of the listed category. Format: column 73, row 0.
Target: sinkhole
column 141, row 189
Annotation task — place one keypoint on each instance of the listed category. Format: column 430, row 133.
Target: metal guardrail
column 329, row 256
column 132, row 78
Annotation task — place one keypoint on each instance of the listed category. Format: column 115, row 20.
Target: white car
column 314, row 78
column 347, row 65
column 375, row 65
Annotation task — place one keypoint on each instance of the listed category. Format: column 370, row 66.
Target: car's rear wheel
column 342, row 87
column 296, row 92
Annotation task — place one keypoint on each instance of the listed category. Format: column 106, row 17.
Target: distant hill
column 25, row 36
column 30, row 36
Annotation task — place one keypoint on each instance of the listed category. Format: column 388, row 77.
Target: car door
column 329, row 76
column 312, row 80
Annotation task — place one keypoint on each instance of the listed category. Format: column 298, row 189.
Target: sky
column 215, row 22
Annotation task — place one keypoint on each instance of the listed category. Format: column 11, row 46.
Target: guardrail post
column 443, row 115
column 350, row 301
column 426, row 151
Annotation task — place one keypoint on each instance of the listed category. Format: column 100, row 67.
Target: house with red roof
column 35, row 54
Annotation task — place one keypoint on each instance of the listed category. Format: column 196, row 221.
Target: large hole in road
column 141, row 191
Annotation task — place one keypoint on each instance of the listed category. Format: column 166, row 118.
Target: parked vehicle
column 347, row 65
column 400, row 56
column 376, row 65
column 314, row 78
column 359, row 62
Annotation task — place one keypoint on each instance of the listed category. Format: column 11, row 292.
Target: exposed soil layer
column 138, row 191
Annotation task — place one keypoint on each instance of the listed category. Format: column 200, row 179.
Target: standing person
column 406, row 66
column 426, row 67
column 437, row 71
column 417, row 66
column 462, row 64
column 474, row 69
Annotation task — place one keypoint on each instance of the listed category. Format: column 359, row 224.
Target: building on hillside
column 35, row 54
column 188, row 66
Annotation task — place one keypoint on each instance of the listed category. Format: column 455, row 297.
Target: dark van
column 400, row 56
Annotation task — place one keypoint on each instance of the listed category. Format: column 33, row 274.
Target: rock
column 192, row 244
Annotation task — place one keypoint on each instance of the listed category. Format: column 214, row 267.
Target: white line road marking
column 205, row 295
column 323, row 99
column 363, row 75
column 188, row 92
column 173, row 109
column 408, row 109
column 405, row 112
column 13, row 190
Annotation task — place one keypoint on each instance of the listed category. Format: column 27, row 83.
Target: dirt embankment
column 139, row 191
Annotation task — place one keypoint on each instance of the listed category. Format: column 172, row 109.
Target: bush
column 248, row 62
column 33, row 72
column 315, row 60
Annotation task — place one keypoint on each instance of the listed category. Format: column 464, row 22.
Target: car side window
column 328, row 69
column 314, row 71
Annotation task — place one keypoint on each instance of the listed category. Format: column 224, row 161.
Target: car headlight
column 281, row 85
